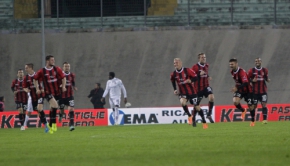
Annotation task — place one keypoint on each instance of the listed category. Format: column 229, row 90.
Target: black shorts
column 21, row 105
column 204, row 93
column 69, row 101
column 260, row 98
column 248, row 97
column 191, row 98
column 50, row 96
column 34, row 105
column 40, row 100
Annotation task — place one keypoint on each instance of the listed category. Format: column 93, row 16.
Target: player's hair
column 258, row 58
column 2, row 98
column 20, row 70
column 98, row 84
column 233, row 60
column 177, row 59
column 47, row 58
column 112, row 74
column 200, row 54
column 30, row 65
column 65, row 63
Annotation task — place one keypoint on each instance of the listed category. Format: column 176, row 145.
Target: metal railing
column 135, row 13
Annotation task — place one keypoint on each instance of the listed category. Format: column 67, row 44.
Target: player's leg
column 113, row 108
column 209, row 94
column 236, row 100
column 53, row 105
column 20, row 115
column 263, row 100
column 183, row 101
column 195, row 101
column 117, row 103
column 71, row 105
column 62, row 103
column 42, row 114
column 194, row 111
column 250, row 99
column 29, row 110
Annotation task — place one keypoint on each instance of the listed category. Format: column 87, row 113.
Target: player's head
column 29, row 67
column 66, row 67
column 233, row 63
column 202, row 58
column 258, row 62
column 20, row 73
column 98, row 85
column 49, row 60
column 177, row 63
column 111, row 75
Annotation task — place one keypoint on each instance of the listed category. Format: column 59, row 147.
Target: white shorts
column 29, row 105
column 114, row 102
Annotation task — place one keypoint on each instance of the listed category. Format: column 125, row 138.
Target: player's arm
column 73, row 82
column 106, row 92
column 244, row 78
column 192, row 75
column 250, row 74
column 62, row 77
column 172, row 79
column 266, row 76
column 24, row 85
column 124, row 91
column 13, row 87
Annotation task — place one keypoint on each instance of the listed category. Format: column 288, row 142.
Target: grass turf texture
column 175, row 144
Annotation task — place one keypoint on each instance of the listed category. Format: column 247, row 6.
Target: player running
column 202, row 85
column 258, row 77
column 184, row 77
column 50, row 75
column 67, row 98
column 242, row 89
column 20, row 97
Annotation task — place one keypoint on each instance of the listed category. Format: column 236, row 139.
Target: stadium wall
column 144, row 60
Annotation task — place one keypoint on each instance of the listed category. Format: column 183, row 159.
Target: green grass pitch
column 175, row 144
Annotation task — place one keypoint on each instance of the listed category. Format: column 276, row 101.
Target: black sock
column 210, row 106
column 71, row 118
column 21, row 118
column 42, row 117
column 50, row 118
column 185, row 108
column 200, row 113
column 194, row 112
column 53, row 112
column 252, row 112
column 240, row 107
column 265, row 112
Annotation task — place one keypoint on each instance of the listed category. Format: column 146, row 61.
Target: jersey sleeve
column 250, row 74
column 191, row 73
column 107, row 90
column 123, row 89
column 244, row 76
column 266, row 74
column 60, row 73
column 172, row 79
column 195, row 68
column 39, row 75
column 73, row 79
column 24, row 85
column 13, row 85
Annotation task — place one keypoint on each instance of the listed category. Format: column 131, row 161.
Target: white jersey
column 114, row 86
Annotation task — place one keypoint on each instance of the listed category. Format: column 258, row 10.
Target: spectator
column 96, row 96
column 2, row 106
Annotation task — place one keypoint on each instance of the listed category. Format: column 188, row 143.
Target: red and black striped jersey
column 240, row 76
column 21, row 96
column 261, row 74
column 70, row 82
column 202, row 81
column 28, row 83
column 180, row 77
column 50, row 79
